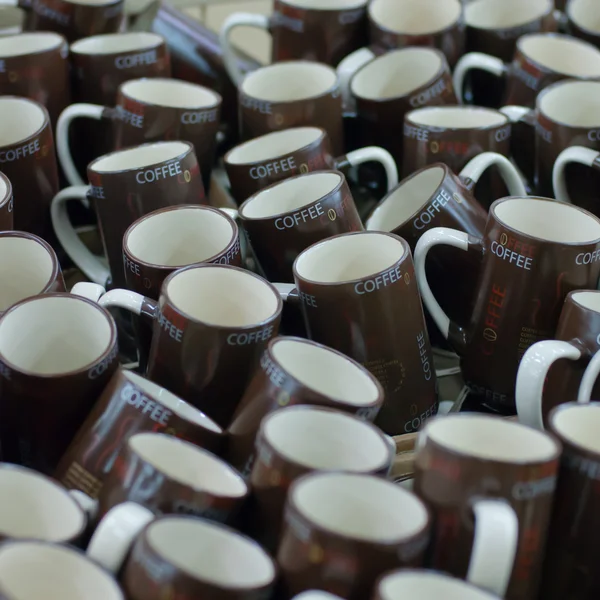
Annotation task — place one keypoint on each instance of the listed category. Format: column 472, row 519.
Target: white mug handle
column 533, row 369
column 494, row 545
column 229, row 56
column 91, row 291
column 475, row 60
column 589, row 380
column 116, row 533
column 87, row 504
column 574, row 154
column 376, row 154
column 90, row 264
column 346, row 70
column 477, row 166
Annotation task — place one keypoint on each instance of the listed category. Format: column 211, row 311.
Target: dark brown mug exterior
column 35, row 427
column 6, row 205
column 77, row 20
column 42, row 76
column 123, row 409
column 363, row 325
column 449, row 481
column 31, row 166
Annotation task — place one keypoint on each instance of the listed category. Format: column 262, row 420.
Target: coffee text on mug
column 351, row 16
column 164, row 171
column 491, row 395
column 378, row 282
column 290, row 23
column 272, row 371
column 228, row 257
column 530, row 80
column 96, row 191
column 131, row 266
column 50, row 13
column 528, row 490
column 308, row 299
column 20, row 152
column 170, row 328
column 594, row 135
column 503, row 133
column 102, row 366
column 423, row 355
column 306, row 214
column 261, row 106
column 201, row 116
column 492, row 318
column 575, row 462
column 422, row 98
column 134, row 60
column 279, row 166
column 415, row 423
column 243, row 339
column 512, row 256
column 432, row 210
column 542, row 132
column 127, row 116
column 586, row 258
column 416, row 133
column 134, row 397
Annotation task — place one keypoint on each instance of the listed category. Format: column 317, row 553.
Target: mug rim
column 60, row 39
column 549, row 11
column 36, row 133
column 578, row 23
column 572, row 296
column 232, row 242
column 567, row 406
column 104, row 4
column 353, row 6
column 460, row 108
column 50, row 376
column 158, row 41
column 7, row 196
column 557, row 85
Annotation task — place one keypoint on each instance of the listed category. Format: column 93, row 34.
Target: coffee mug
column 342, row 531
column 27, row 158
column 129, row 404
column 180, row 556
column 28, row 267
column 540, row 59
column 575, row 172
column 210, row 327
column 32, row 570
column 6, row 204
column 150, row 110
column 583, row 20
column 75, row 19
column 297, row 371
column 533, row 253
column 34, row 65
column 301, row 30
column 257, row 163
column 346, row 286
column 57, row 353
column 124, row 186
column 12, row 20
column 504, row 475
column 297, row 440
column 291, row 94
column 551, row 372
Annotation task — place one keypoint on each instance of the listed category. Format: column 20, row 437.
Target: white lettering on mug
column 50, row 13
column 243, row 339
column 280, row 166
column 308, row 299
column 20, row 152
column 544, row 133
column 368, row 414
column 157, row 412
column 378, row 282
column 306, row 214
column 432, row 210
column 101, row 368
column 531, row 81
column 203, row 116
column 290, row 23
column 490, row 395
column 523, row 262
column 10, row 204
column 416, row 422
column 272, row 371
column 261, row 106
column 586, row 466
column 351, row 16
column 127, row 116
column 131, row 266
column 173, row 331
column 594, row 135
column 164, row 171
column 425, row 364
column 416, row 133
column 230, row 255
column 586, row 258
column 424, row 97
column 527, row 490
column 135, row 60
column 96, row 191
column 503, row 134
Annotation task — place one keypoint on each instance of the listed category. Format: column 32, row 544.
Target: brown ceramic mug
column 298, row 371
column 583, row 20
column 150, row 110
column 533, row 253
column 210, row 326
column 301, row 30
column 345, row 286
column 129, row 404
column 6, row 203
column 31, row 570
column 269, row 158
column 34, row 65
column 180, row 557
column 342, row 531
column 552, row 372
column 488, row 480
column 297, row 440
column 540, row 59
column 12, row 20
column 27, row 158
column 77, row 19
column 28, row 267
column 57, row 353
column 124, row 186
column 292, row 94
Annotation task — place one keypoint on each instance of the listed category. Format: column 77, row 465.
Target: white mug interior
column 26, row 268
column 587, row 299
column 117, row 43
column 325, row 371
column 290, row 81
column 324, row 439
column 3, row 191
column 572, row 103
column 207, row 551
column 563, row 54
column 330, row 5
column 30, row 43
column 289, row 195
column 93, row 2
column 585, row 14
column 140, row 157
column 349, row 257
column 55, row 335
column 179, row 237
column 548, row 220
column 491, row 14
column 407, row 200
column 32, row 570
column 361, row 507
column 457, row 117
column 273, row 145
column 20, row 119
column 579, row 424
column 173, row 93
column 415, row 17
column 316, row 595
column 34, row 507
column 396, row 73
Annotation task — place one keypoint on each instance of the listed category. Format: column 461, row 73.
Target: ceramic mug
column 6, row 203
column 566, row 175
column 257, row 163
column 539, row 60
column 12, row 19
column 532, row 256
column 583, row 20
column 503, row 474
column 124, row 186
column 297, row 371
column 129, row 404
column 150, row 110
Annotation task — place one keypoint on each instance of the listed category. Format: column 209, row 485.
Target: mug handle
column 91, row 265
column 533, row 370
column 522, row 144
column 368, row 154
column 346, row 69
column 475, row 60
column 116, row 533
column 589, row 380
column 477, row 166
column 229, row 56
column 87, row 504
column 494, row 545
column 574, row 154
